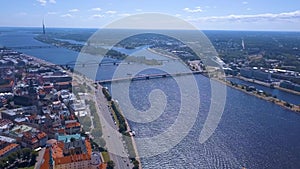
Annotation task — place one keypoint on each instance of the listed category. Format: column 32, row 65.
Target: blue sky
column 204, row 14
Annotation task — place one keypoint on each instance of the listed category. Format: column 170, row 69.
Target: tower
column 243, row 44
column 44, row 31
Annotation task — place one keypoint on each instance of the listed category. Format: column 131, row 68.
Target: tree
column 102, row 142
column 72, row 139
column 136, row 164
column 110, row 164
column 26, row 153
column 33, row 157
column 287, row 104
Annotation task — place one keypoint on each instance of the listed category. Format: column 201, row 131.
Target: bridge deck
column 147, row 76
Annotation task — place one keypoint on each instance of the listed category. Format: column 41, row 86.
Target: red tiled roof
column 5, row 122
column 34, row 140
column 72, row 125
column 41, row 135
column 8, row 148
column 46, row 157
column 103, row 166
column 63, row 83
column 48, row 87
column 60, row 159
column 10, row 84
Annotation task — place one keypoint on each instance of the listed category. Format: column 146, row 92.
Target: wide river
column 252, row 133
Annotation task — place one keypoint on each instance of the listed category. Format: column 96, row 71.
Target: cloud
column 52, row 1
column 74, row 10
column 96, row 9
column 42, row 2
column 245, row 2
column 111, row 12
column 97, row 16
column 287, row 16
column 67, row 15
column 195, row 10
column 138, row 10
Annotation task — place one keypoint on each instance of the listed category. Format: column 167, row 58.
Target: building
column 246, row 72
column 71, row 153
column 5, row 125
column 7, row 145
column 261, row 75
column 6, row 85
column 9, row 148
column 72, row 127
column 57, row 78
column 257, row 74
column 34, row 140
column 13, row 114
column 290, row 85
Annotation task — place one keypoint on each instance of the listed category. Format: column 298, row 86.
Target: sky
column 274, row 15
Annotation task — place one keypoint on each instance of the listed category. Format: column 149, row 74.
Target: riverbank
column 38, row 60
column 162, row 54
column 289, row 106
column 266, row 84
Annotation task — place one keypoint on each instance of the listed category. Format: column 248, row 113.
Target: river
column 252, row 132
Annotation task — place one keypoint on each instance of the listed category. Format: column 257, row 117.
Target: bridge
column 148, row 76
column 31, row 47
column 106, row 63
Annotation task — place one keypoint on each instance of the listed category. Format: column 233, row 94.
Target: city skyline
column 205, row 15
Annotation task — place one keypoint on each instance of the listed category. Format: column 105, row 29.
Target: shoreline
column 266, row 84
column 162, row 54
column 281, row 103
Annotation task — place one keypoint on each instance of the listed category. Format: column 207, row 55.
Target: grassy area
column 119, row 116
column 129, row 145
column 32, row 167
column 105, row 156
column 97, row 131
column 114, row 114
column 85, row 122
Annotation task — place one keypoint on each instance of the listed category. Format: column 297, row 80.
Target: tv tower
column 44, row 31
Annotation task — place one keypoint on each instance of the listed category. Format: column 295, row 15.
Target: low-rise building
column 10, row 148
column 74, row 153
column 6, row 85
column 13, row 114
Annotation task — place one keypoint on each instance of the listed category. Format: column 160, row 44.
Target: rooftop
column 21, row 129
column 67, row 138
column 7, row 139
column 8, row 148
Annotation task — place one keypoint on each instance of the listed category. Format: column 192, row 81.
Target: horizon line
column 245, row 30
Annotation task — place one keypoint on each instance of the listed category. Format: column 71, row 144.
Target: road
column 113, row 138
